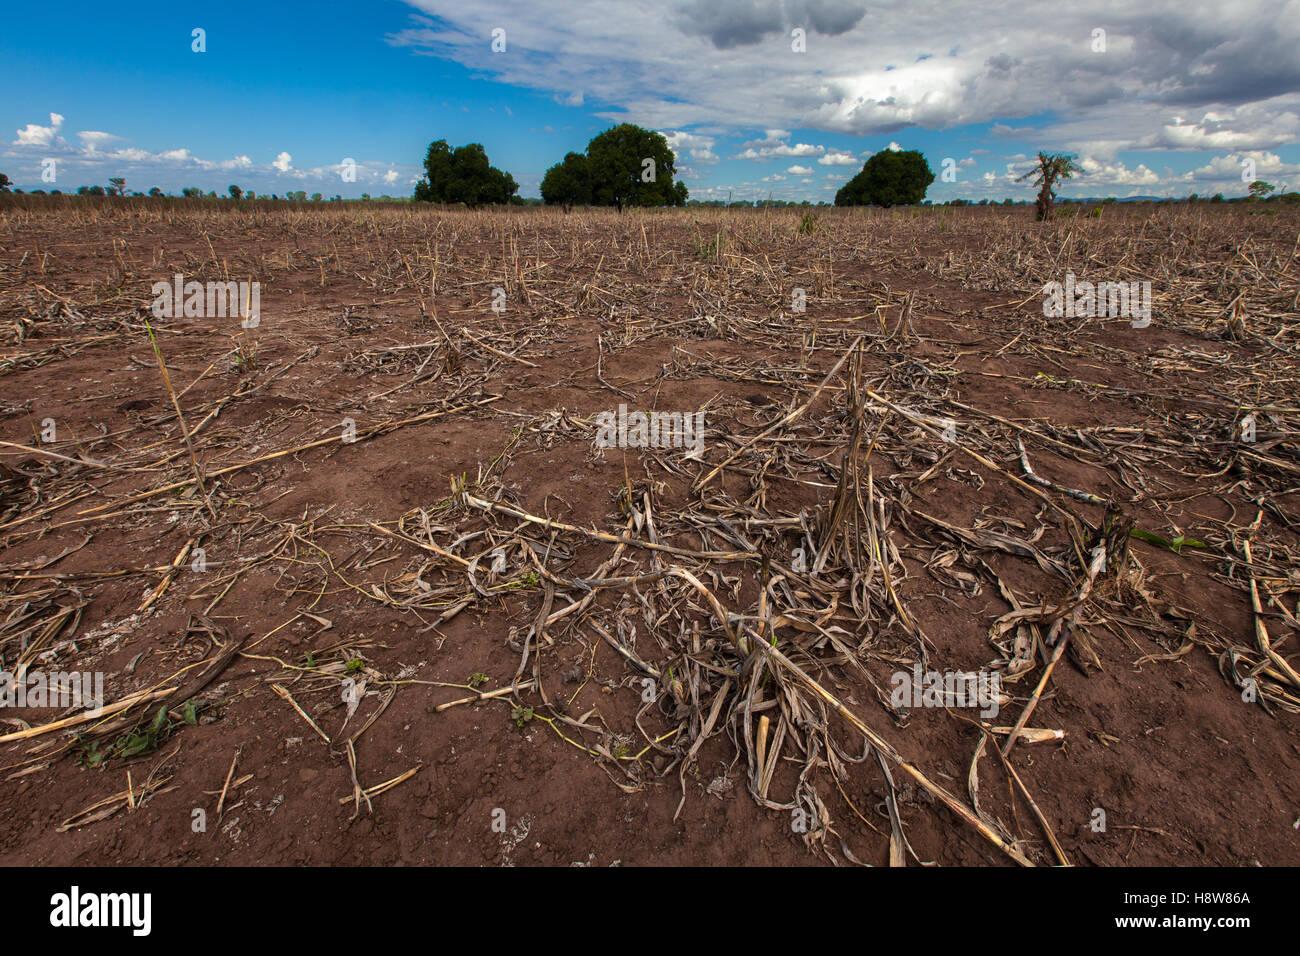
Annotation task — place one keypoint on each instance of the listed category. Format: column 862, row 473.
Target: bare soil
column 412, row 567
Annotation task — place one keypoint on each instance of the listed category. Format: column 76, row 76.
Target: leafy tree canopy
column 463, row 175
column 632, row 166
column 626, row 165
column 568, row 183
column 889, row 178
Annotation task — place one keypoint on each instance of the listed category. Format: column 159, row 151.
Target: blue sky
column 1180, row 96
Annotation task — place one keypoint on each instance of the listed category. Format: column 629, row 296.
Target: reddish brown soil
column 1158, row 737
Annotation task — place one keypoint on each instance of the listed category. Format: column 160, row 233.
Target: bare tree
column 1051, row 167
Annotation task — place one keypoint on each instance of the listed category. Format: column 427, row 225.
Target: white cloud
column 34, row 135
column 94, row 139
column 1115, row 174
column 1233, row 129
column 835, row 157
column 282, row 162
column 781, row 151
column 799, row 170
column 1231, row 66
column 771, row 137
column 1225, row 172
column 696, row 147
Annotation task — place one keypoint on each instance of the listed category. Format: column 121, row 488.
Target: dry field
column 365, row 586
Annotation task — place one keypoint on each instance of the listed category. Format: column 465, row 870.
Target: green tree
column 235, row 191
column 155, row 192
column 568, row 183
column 117, row 186
column 891, row 177
column 632, row 166
column 1051, row 167
column 437, row 173
column 463, row 175
column 5, row 183
column 191, row 192
column 1260, row 189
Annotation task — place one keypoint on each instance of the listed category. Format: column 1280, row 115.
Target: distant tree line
column 117, row 187
column 631, row 166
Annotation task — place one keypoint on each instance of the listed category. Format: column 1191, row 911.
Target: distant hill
column 1095, row 199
